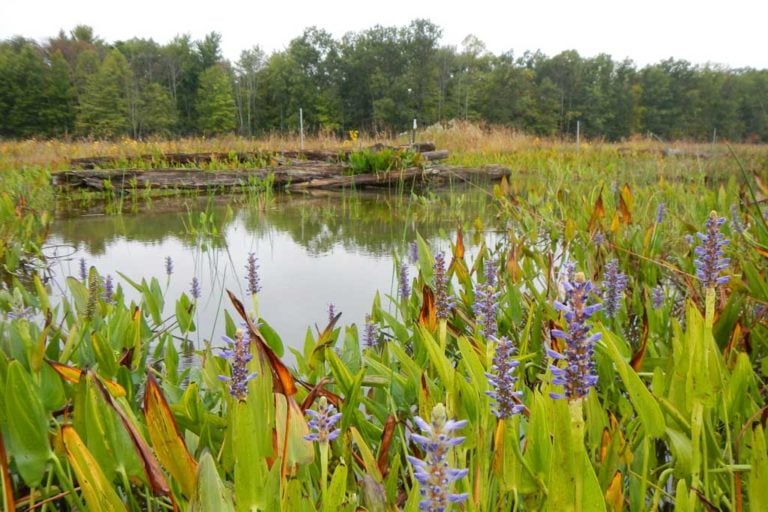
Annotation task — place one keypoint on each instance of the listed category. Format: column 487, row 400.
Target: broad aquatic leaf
column 336, row 490
column 757, row 483
column 28, row 430
column 290, row 430
column 646, row 406
column 166, row 439
column 73, row 375
column 97, row 489
column 5, row 478
column 369, row 461
column 250, row 468
column 210, row 493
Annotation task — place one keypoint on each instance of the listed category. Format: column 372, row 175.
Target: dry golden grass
column 466, row 141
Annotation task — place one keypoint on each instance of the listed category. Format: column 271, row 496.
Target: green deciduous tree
column 104, row 109
column 215, row 102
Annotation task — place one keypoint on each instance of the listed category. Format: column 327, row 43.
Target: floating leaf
column 166, row 439
column 98, row 491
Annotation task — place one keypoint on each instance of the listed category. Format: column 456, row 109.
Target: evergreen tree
column 104, row 105
column 60, row 99
column 215, row 102
column 157, row 111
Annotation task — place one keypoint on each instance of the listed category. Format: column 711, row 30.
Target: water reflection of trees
column 359, row 222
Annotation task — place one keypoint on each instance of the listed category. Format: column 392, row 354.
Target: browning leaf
column 10, row 504
column 428, row 313
column 386, row 440
column 598, row 212
column 625, row 204
column 614, row 495
column 458, row 251
column 73, row 375
column 155, row 476
column 166, row 439
column 637, row 358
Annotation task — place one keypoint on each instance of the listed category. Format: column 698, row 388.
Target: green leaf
column 272, row 338
column 210, row 492
column 757, row 485
column 28, row 431
column 646, row 406
column 250, row 468
column 337, row 490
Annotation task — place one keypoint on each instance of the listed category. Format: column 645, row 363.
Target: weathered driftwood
column 432, row 156
column 308, row 176
column 173, row 159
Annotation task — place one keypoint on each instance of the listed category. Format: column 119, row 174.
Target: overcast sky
column 732, row 33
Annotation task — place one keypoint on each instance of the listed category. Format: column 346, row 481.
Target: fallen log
column 297, row 177
column 431, row 156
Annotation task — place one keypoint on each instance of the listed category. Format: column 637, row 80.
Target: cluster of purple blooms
column 168, row 266
column 502, row 379
column 579, row 374
column 323, row 421
column 614, row 284
column 252, row 275
column 433, row 472
column 661, row 211
column 487, row 301
column 239, row 355
column 709, row 260
column 109, row 289
column 371, row 333
column 83, row 269
column 657, row 296
column 405, row 284
column 194, row 289
column 443, row 301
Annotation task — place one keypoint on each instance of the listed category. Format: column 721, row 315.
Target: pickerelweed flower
column 83, row 268
column 109, row 289
column 614, row 284
column 370, row 334
column 657, row 296
column 502, row 379
column 252, row 275
column 736, row 224
column 323, row 421
column 405, row 284
column 239, row 354
column 413, row 252
column 433, row 472
column 661, row 211
column 688, row 238
column 194, row 289
column 331, row 312
column 168, row 266
column 487, row 302
column 579, row 373
column 443, row 301
column 599, row 238
column 709, row 259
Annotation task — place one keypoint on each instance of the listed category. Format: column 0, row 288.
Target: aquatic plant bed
column 304, row 176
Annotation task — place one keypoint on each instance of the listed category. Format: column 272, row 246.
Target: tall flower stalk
column 502, row 380
column 710, row 262
column 578, row 375
column 405, row 284
column 443, row 302
column 239, row 355
column 433, row 472
column 614, row 284
column 323, row 424
column 487, row 302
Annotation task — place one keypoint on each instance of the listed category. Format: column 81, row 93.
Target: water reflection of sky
column 298, row 280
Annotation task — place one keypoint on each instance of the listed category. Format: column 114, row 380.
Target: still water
column 312, row 251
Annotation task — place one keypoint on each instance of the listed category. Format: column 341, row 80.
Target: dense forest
column 376, row 80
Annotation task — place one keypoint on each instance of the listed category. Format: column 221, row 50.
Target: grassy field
column 487, row 384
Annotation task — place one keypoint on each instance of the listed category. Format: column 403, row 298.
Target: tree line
column 376, row 80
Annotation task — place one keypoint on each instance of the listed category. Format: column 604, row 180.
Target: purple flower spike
column 657, row 297
column 661, row 211
column 502, row 379
column 487, row 302
column 239, row 354
column 709, row 259
column 433, row 473
column 736, row 224
column 614, row 284
column 413, row 252
column 194, row 289
column 168, row 266
column 83, row 269
column 109, row 289
column 252, row 276
column 405, row 284
column 579, row 373
column 443, row 300
column 322, row 422
column 371, row 333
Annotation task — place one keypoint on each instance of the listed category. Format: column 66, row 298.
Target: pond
column 312, row 250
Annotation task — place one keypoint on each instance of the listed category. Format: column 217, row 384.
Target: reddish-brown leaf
column 386, row 440
column 167, row 441
column 625, row 204
column 319, row 390
column 637, row 358
column 6, row 474
column 155, row 476
column 458, row 251
column 73, row 375
column 428, row 313
column 598, row 212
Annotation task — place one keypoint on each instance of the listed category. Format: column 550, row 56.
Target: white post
column 301, row 129
column 413, row 133
column 578, row 133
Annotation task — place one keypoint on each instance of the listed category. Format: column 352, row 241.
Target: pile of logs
column 287, row 170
